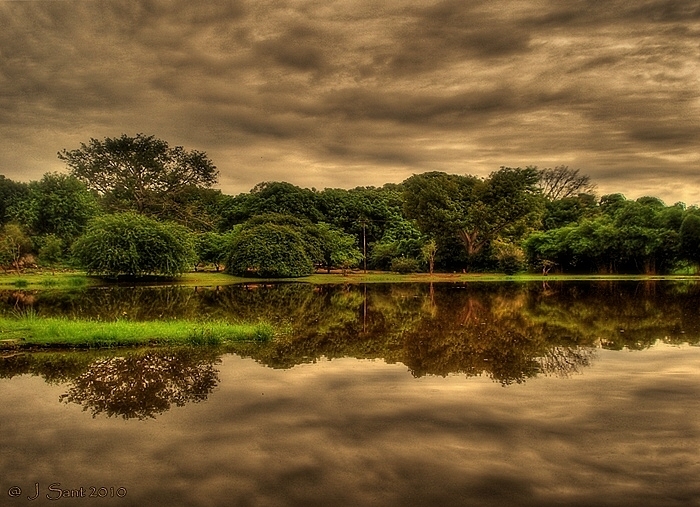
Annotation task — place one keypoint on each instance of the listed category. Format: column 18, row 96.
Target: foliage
column 134, row 245
column 336, row 248
column 473, row 210
column 569, row 210
column 481, row 224
column 325, row 245
column 269, row 250
column 271, row 197
column 690, row 238
column 212, row 248
column 195, row 207
column 58, row 205
column 400, row 239
column 10, row 192
column 365, row 212
column 428, row 253
column 510, row 257
column 51, row 251
column 140, row 173
column 626, row 237
column 405, row 265
column 14, row 245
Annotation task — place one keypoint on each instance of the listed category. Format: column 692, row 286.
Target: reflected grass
column 75, row 279
column 60, row 332
column 43, row 280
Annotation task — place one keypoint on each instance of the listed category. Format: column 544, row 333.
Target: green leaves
column 470, row 209
column 134, row 245
column 139, row 173
column 270, row 251
column 639, row 236
column 58, row 204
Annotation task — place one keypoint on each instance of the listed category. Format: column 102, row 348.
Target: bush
column 212, row 248
column 15, row 246
column 270, row 251
column 511, row 258
column 128, row 244
column 51, row 251
column 405, row 265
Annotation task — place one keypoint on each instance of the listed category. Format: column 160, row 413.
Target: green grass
column 212, row 279
column 44, row 280
column 59, row 332
column 387, row 277
column 75, row 279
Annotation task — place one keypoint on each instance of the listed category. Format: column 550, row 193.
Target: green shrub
column 405, row 265
column 51, row 250
column 270, row 251
column 511, row 258
column 128, row 244
column 212, row 248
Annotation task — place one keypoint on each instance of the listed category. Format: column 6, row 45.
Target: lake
column 483, row 394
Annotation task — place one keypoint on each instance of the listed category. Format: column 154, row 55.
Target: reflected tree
column 565, row 361
column 508, row 332
column 142, row 385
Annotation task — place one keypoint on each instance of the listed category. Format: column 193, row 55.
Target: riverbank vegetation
column 134, row 207
column 30, row 331
column 41, row 280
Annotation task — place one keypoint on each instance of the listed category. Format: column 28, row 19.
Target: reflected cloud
column 351, row 432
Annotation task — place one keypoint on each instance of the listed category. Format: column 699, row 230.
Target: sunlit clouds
column 339, row 94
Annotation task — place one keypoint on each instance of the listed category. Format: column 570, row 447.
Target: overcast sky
column 325, row 93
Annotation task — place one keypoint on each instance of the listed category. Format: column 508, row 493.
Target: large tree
column 10, row 192
column 140, row 173
column 58, row 205
column 475, row 210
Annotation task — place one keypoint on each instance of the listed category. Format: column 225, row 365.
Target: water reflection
column 507, row 332
column 133, row 384
column 143, row 385
column 363, row 432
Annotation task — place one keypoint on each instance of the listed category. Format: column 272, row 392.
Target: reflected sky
column 624, row 431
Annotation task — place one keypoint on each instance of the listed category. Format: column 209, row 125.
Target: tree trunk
column 471, row 243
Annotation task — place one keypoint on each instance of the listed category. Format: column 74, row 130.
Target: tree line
column 136, row 206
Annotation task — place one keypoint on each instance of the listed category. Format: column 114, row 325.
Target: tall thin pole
column 364, row 243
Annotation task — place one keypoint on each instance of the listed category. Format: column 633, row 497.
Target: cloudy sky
column 325, row 93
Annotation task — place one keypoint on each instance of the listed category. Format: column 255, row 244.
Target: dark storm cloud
column 300, row 47
column 455, row 30
column 323, row 93
column 619, row 13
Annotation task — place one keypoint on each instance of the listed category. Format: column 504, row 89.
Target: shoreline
column 77, row 279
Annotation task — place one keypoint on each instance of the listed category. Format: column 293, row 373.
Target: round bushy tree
column 269, row 250
column 128, row 244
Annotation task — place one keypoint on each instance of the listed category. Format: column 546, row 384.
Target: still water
column 478, row 394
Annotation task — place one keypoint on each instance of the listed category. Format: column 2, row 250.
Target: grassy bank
column 45, row 280
column 65, row 280
column 59, row 332
column 388, row 277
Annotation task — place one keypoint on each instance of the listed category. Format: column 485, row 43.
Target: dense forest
column 137, row 206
